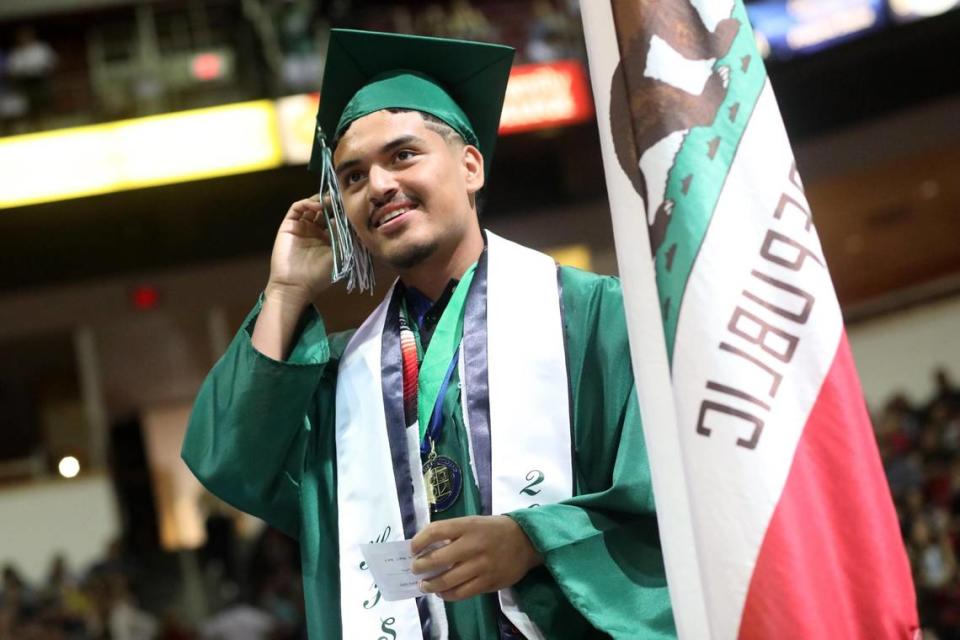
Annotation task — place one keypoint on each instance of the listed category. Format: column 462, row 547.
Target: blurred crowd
column 252, row 594
column 252, row 589
column 130, row 65
column 540, row 31
column 921, row 456
column 26, row 71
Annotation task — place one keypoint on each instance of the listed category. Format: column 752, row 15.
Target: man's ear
column 473, row 168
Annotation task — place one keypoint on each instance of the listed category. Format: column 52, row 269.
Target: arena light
column 851, row 20
column 546, row 95
column 69, row 467
column 784, row 28
column 907, row 10
column 145, row 297
column 207, row 66
column 130, row 154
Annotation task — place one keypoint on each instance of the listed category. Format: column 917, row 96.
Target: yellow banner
column 131, row 154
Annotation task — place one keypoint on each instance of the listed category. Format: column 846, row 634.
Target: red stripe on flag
column 832, row 564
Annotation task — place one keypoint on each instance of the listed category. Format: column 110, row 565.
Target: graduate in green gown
column 411, row 124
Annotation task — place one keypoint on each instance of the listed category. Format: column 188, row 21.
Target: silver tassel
column 351, row 260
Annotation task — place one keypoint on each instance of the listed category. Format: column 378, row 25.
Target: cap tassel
column 351, row 260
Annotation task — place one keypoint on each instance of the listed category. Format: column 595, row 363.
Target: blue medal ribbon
column 435, row 428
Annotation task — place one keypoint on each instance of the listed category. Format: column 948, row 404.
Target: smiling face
column 406, row 189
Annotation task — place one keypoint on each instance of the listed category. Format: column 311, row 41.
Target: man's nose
column 382, row 184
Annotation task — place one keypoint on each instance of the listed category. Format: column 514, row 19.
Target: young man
column 485, row 410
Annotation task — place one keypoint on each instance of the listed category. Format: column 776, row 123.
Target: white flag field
column 775, row 516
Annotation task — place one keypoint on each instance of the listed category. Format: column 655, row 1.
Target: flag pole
column 647, row 347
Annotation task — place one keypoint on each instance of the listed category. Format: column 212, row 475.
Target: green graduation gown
column 261, row 437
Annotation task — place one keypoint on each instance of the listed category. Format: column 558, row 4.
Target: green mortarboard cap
column 460, row 82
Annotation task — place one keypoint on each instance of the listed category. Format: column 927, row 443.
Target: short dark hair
column 432, row 122
column 435, row 124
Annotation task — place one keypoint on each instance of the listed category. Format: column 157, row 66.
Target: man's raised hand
column 302, row 260
column 300, row 270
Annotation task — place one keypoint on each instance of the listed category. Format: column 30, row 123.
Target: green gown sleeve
column 248, row 432
column 601, row 548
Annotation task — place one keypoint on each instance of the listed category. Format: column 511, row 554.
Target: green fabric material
column 261, row 436
column 446, row 339
column 407, row 90
column 472, row 75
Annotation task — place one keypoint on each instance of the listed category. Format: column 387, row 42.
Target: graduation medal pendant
column 442, row 480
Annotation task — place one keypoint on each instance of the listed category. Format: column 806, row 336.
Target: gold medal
column 442, row 480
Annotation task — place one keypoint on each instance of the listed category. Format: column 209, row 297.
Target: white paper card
column 389, row 563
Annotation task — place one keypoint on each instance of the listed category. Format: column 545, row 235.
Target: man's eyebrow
column 343, row 166
column 388, row 147
column 399, row 142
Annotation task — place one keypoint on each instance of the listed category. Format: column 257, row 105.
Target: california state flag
column 775, row 515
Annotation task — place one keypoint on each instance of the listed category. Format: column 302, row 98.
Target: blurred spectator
column 297, row 35
column 13, row 105
column 239, row 621
column 65, row 603
column 59, row 577
column 934, row 565
column 277, row 583
column 125, row 620
column 947, row 394
column 469, row 23
column 117, row 561
column 432, row 21
column 11, row 601
column 401, row 19
column 904, row 473
column 219, row 554
column 552, row 34
column 30, row 67
column 282, row 596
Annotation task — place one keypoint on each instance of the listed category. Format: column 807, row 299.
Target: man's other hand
column 484, row 554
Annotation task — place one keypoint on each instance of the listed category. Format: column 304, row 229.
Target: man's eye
column 405, row 155
column 353, row 177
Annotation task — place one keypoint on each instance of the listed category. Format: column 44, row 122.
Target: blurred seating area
column 540, row 31
column 144, row 59
column 920, row 448
column 230, row 589
column 249, row 587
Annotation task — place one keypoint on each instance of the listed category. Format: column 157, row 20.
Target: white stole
column 530, row 436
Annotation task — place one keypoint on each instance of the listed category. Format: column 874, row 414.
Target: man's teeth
column 392, row 215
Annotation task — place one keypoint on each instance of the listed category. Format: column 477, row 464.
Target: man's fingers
column 450, row 579
column 306, row 229
column 301, row 208
column 308, row 211
column 436, row 532
column 439, row 559
column 466, row 590
column 308, row 203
